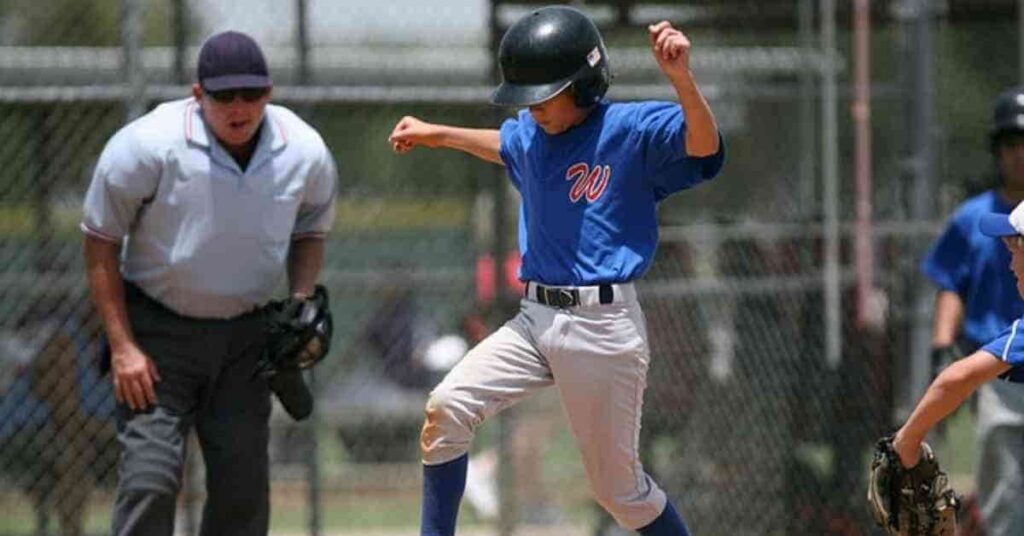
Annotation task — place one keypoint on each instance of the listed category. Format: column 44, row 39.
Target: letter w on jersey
column 589, row 182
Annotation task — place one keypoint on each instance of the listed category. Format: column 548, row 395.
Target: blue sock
column 442, row 491
column 667, row 524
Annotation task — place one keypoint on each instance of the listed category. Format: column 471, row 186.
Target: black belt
column 570, row 297
column 134, row 293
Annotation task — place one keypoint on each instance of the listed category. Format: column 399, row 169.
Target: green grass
column 350, row 512
column 18, row 516
column 289, row 512
column 957, row 449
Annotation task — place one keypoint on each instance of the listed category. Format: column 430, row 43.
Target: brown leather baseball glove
column 911, row 502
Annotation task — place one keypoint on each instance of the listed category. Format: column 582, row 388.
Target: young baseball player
column 590, row 173
column 976, row 300
column 1002, row 357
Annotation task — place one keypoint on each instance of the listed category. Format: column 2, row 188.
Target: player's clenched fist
column 671, row 48
column 410, row 132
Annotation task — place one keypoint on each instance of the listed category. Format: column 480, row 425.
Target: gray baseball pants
column 206, row 368
column 597, row 356
column 1000, row 477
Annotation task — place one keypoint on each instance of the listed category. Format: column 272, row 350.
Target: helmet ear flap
column 580, row 93
column 589, row 90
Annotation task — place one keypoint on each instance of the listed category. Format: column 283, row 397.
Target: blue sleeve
column 662, row 129
column 127, row 175
column 511, row 150
column 948, row 263
column 1009, row 347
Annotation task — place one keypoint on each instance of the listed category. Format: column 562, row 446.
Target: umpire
column 194, row 213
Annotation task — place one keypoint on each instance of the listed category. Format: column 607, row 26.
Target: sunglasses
column 250, row 94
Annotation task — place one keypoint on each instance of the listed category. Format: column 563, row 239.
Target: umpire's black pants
column 206, row 369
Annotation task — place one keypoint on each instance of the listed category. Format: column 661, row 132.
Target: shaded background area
column 775, row 361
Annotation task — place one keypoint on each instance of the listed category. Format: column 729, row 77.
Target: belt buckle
column 562, row 297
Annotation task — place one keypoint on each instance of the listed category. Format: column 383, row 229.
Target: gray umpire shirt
column 200, row 235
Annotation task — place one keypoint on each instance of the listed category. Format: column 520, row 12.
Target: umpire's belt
column 580, row 296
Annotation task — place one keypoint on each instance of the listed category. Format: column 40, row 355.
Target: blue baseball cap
column 232, row 60
column 1011, row 224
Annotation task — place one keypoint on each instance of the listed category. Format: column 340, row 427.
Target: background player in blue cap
column 194, row 213
column 976, row 300
column 1002, row 357
column 590, row 174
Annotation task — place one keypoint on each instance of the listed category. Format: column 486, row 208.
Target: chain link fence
column 754, row 423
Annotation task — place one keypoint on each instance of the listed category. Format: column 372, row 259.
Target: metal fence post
column 508, row 509
column 830, row 192
column 302, row 42
column 302, row 76
column 916, row 18
column 179, row 76
column 923, row 156
column 134, row 75
column 867, row 313
column 807, row 189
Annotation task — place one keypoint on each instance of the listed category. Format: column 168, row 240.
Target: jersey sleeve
column 662, row 130
column 316, row 211
column 947, row 264
column 511, row 150
column 1009, row 347
column 126, row 177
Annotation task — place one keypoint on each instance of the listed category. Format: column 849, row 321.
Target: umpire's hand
column 134, row 374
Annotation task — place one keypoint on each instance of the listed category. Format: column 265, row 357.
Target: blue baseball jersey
column 589, row 195
column 977, row 268
column 1009, row 347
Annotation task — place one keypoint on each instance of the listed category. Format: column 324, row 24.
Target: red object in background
column 486, row 283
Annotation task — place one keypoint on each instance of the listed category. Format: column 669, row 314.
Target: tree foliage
column 82, row 23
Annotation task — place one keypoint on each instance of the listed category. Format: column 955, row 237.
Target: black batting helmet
column 1007, row 115
column 547, row 51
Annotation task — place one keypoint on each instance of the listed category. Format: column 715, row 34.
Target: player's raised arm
column 481, row 143
column 671, row 49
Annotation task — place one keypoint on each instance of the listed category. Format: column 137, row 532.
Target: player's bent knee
column 631, row 516
column 607, row 501
column 630, row 508
column 435, row 422
column 447, row 431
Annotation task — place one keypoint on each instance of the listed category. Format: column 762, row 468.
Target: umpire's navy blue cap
column 1003, row 224
column 232, row 60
